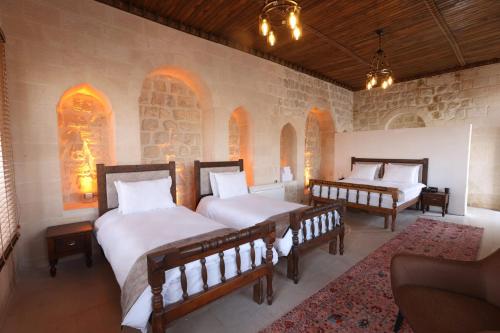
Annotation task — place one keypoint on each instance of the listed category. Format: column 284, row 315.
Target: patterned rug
column 361, row 300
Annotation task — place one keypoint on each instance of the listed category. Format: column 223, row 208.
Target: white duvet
column 407, row 192
column 246, row 210
column 124, row 238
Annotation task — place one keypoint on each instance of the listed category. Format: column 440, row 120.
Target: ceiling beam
column 336, row 44
column 127, row 6
column 445, row 29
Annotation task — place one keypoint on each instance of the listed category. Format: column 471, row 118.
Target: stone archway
column 319, row 146
column 239, row 140
column 176, row 125
column 86, row 137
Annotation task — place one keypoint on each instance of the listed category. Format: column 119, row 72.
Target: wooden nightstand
column 441, row 199
column 69, row 239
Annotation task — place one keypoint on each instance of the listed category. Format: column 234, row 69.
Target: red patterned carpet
column 361, row 300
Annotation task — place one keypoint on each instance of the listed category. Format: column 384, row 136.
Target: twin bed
column 298, row 227
column 382, row 195
column 170, row 261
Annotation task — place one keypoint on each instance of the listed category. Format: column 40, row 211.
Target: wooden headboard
column 202, row 178
column 108, row 174
column 424, row 162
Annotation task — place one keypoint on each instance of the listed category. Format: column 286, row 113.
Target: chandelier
column 380, row 74
column 278, row 13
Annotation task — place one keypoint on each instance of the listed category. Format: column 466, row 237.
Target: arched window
column 240, row 141
column 86, row 137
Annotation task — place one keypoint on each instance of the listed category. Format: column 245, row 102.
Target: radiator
column 274, row 190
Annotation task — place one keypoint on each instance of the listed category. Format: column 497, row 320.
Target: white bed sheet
column 407, row 192
column 247, row 210
column 124, row 238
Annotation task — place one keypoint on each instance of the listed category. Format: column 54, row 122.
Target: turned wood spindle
column 183, row 282
column 252, row 253
column 238, row 260
column 222, row 267
column 204, row 274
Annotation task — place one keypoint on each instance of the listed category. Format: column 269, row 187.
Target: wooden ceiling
column 422, row 37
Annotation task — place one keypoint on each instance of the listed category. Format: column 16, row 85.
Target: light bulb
column 297, row 33
column 264, row 27
column 384, row 84
column 292, row 20
column 369, row 85
column 373, row 81
column 389, row 80
column 271, row 39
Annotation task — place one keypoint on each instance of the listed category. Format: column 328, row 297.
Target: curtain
column 9, row 224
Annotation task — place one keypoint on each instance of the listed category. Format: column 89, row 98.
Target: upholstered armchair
column 447, row 296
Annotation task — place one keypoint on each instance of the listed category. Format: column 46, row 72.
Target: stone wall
column 466, row 97
column 87, row 42
column 171, row 129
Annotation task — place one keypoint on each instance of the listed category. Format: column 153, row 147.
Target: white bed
column 246, row 210
column 125, row 238
column 407, row 192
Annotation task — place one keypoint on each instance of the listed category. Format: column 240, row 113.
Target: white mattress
column 407, row 192
column 247, row 210
column 124, row 238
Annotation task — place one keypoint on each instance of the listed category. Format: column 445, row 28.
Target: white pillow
column 213, row 184
column 401, row 173
column 363, row 171
column 143, row 196
column 379, row 166
column 231, row 184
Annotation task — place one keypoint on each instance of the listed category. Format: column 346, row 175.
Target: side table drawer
column 70, row 244
column 433, row 201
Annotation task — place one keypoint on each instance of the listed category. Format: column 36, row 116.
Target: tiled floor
column 88, row 300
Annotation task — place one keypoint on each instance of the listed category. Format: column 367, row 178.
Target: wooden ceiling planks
column 338, row 40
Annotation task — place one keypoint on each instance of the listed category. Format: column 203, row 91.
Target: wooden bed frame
column 161, row 261
column 296, row 218
column 392, row 191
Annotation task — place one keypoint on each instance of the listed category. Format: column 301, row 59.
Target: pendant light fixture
column 380, row 74
column 278, row 13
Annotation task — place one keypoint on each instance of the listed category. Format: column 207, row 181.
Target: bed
column 169, row 262
column 379, row 197
column 298, row 227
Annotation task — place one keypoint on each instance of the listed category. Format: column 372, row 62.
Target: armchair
column 447, row 296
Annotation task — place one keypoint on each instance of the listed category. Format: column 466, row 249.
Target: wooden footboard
column 162, row 261
column 329, row 235
column 330, row 192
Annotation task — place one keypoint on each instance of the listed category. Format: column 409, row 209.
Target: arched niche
column 239, row 140
column 288, row 148
column 86, row 137
column 176, row 125
column 319, row 145
column 405, row 120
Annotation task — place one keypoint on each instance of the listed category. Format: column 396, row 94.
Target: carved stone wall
column 85, row 138
column 470, row 96
column 171, row 129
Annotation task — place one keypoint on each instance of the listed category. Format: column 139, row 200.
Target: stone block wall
column 87, row 42
column 470, row 96
column 171, row 129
